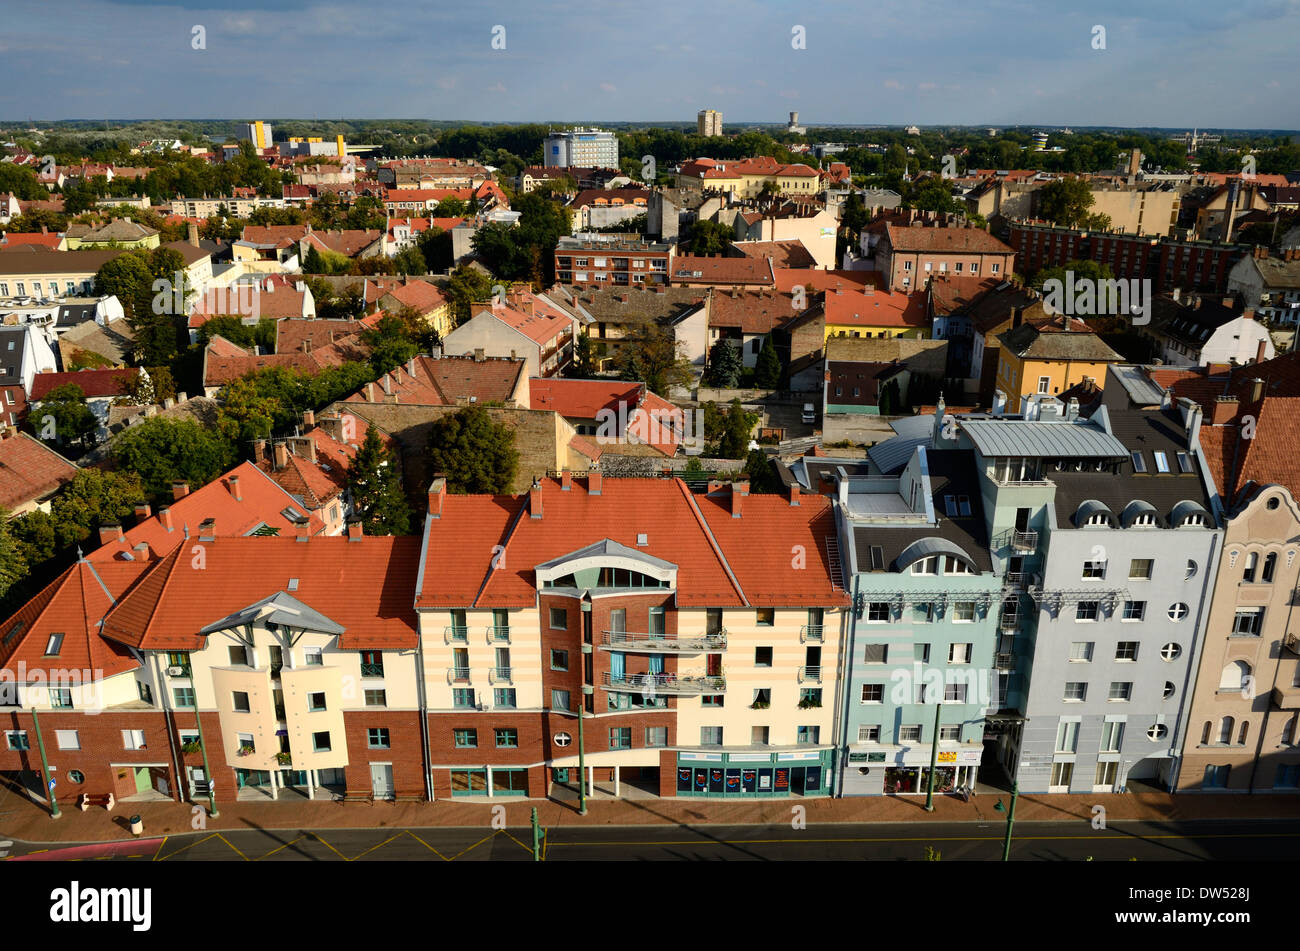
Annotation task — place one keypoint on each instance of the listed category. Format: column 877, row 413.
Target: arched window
column 1205, row 733
column 1288, row 731
column 1225, row 730
column 1243, row 732
column 1234, row 676
column 1270, row 564
column 1252, row 562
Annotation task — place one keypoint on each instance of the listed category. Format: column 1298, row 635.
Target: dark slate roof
column 11, row 361
column 1147, row 432
column 1028, row 341
column 952, row 472
column 72, row 314
column 1191, row 322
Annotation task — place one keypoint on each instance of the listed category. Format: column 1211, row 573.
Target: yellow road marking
column 378, row 846
column 160, row 848
column 284, row 846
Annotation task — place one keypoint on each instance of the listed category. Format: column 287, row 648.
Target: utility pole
column 45, row 767
column 582, row 762
column 934, row 759
column 1011, row 820
column 537, row 838
column 203, row 748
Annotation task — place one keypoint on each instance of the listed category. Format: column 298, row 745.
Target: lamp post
column 934, row 759
column 45, row 767
column 1011, row 820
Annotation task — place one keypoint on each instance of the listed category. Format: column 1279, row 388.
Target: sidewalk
column 26, row 821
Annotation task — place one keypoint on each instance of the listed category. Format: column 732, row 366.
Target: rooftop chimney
column 535, row 500
column 479, row 356
column 794, row 493
column 142, row 511
column 738, row 492
column 235, row 490
column 593, row 482
column 302, row 525
column 110, row 534
column 308, row 420
column 1260, row 350
column 180, row 490
column 566, row 480
column 165, row 517
column 437, row 495
column 192, row 234
column 281, row 455
column 1225, row 408
column 1072, row 408
column 1256, row 388
column 208, row 530
column 259, row 450
column 354, row 530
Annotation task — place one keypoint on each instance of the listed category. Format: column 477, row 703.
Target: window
column 1139, row 462
column 1170, row 652
column 67, row 739
column 240, row 702
column 559, row 660
column 873, row 693
column 1081, row 651
column 315, row 702
column 878, row 612
column 320, row 742
column 922, row 613
column 1067, row 736
column 313, row 657
column 54, row 646
column 61, row 697
column 963, row 612
column 656, row 736
column 560, row 700
column 1126, row 650
column 183, row 697
column 1112, row 734
column 954, row 693
column 950, row 733
column 1270, row 566
column 465, row 738
column 145, row 691
column 1157, row 731
column 1094, row 569
column 372, row 663
column 712, row 700
column 1169, row 690
column 559, row 619
column 1248, row 573
column 874, row 653
column 239, row 656
column 1162, row 461
column 462, row 697
column 1139, row 569
column 133, row 740
column 1120, row 690
column 1177, row 611
column 921, row 652
column 1235, row 676
column 926, row 566
column 376, row 698
column 1044, row 384
column 710, row 736
column 1134, row 610
column 909, row 734
column 809, row 735
column 1086, row 611
column 620, row 738
column 869, row 733
column 1248, row 622
column 765, row 617
column 959, row 653
column 507, row 738
column 504, row 697
column 17, row 739
column 1076, row 691
column 377, row 738
column 762, row 657
column 1062, row 773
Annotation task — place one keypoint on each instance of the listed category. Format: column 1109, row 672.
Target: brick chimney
column 566, row 480
column 165, row 518
column 1260, row 350
column 354, row 530
column 259, row 450
column 192, row 234
column 180, row 490
column 308, row 420
column 142, row 511
column 208, row 530
column 794, row 493
column 437, row 495
column 235, row 490
column 738, row 492
column 535, row 500
column 302, row 526
column 111, row 534
column 281, row 455
column 1225, row 408
column 593, row 482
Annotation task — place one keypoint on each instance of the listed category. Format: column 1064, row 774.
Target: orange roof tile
column 30, row 470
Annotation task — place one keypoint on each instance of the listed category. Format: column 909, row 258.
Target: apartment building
column 594, row 260
column 526, row 325
column 581, row 147
column 907, row 254
column 708, row 122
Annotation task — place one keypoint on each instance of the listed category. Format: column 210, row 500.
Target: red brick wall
column 405, row 752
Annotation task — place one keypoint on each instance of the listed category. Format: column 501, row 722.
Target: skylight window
column 54, row 646
column 1184, row 462
column 1139, row 463
column 950, row 505
column 1162, row 461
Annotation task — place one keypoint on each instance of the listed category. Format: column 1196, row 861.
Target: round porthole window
column 562, row 739
column 1177, row 611
column 1191, row 568
column 1170, row 652
column 1169, row 689
column 76, row 776
column 1274, row 502
column 1158, row 731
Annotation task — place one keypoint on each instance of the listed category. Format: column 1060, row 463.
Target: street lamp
column 1011, row 820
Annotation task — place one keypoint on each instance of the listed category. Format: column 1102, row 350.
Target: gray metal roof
column 280, row 608
column 1089, row 508
column 1134, row 509
column 1141, row 390
column 893, row 454
column 1185, row 508
column 1045, row 439
column 913, row 425
column 609, row 547
column 931, row 545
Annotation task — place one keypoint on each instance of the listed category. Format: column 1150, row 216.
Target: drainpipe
column 203, row 748
column 424, row 716
column 1181, row 728
column 1281, row 647
column 181, row 779
column 841, row 702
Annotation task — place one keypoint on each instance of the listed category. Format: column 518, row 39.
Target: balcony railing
column 458, row 675
column 1004, row 661
column 455, row 634
column 1014, row 577
column 1008, row 622
column 810, row 675
column 664, row 643
column 498, row 633
column 667, row 684
column 499, row 675
column 810, row 634
column 372, row 670
column 1024, row 541
column 1292, row 643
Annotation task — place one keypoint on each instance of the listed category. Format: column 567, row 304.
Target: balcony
column 1292, row 643
column 1004, row 661
column 810, row 634
column 498, row 633
column 455, row 634
column 1008, row 622
column 810, row 675
column 372, row 670
column 663, row 643
column 1287, row 698
column 1024, row 541
column 667, row 685
column 498, row 675
column 458, row 675
column 1014, row 578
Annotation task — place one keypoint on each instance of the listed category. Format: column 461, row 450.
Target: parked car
column 809, row 413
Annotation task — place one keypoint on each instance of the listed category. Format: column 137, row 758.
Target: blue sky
column 1006, row 62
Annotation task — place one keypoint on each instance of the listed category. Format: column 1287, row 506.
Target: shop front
column 896, row 772
column 754, row 775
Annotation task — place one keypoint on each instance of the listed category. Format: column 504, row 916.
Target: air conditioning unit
column 175, row 671
column 482, row 707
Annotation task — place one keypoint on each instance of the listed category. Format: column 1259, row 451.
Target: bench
column 409, row 797
column 350, row 796
column 87, row 800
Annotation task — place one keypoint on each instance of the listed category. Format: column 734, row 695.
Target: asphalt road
column 1227, row 840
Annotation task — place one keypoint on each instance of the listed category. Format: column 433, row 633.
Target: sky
column 1165, row 63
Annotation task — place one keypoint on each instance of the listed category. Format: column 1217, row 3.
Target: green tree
column 1066, row 201
column 725, row 364
column 710, row 237
column 244, row 414
column 737, row 430
column 767, row 372
column 474, row 453
column 21, row 182
column 34, row 533
column 313, row 263
column 762, row 474
column 654, row 359
column 375, row 490
column 390, row 344
column 410, row 261
column 890, row 398
column 163, row 451
column 1083, row 270
column 583, row 365
column 32, row 221
column 451, row 208
column 74, row 421
column 435, row 245
column 13, row 563
column 92, row 499
column 128, row 278
column 468, row 286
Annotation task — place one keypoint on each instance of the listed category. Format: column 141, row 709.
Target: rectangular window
column 1134, row 610
column 1093, row 570
column 372, row 663
column 377, row 738
column 1076, row 691
column 320, row 742
column 765, row 617
column 762, row 657
column 809, row 735
column 878, row 612
column 133, row 740
column 1044, row 384
column 712, row 700
column 1062, row 773
column 465, row 739
column 873, row 693
column 921, row 652
column 61, row 697
column 951, row 565
column 954, row 693
column 239, row 656
column 240, row 702
column 376, row 698
column 1139, row 462
column 1126, row 650
column 926, row 566
column 950, row 733
column 1248, row 622
column 559, row 619
column 54, row 645
column 963, row 612
column 656, row 736
column 559, row 660
column 620, row 738
column 504, row 697
column 1067, row 736
column 316, row 702
column 1162, row 461
column 1112, row 733
column 959, row 653
column 67, row 739
column 17, row 739
column 875, row 653
column 1086, row 611
column 1139, row 569
column 560, row 700
column 1120, row 690
column 869, row 733
column 909, row 734
column 183, row 697
column 314, row 657
column 507, row 738
column 710, row 736
column 462, row 698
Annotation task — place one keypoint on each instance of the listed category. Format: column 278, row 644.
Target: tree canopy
column 474, row 453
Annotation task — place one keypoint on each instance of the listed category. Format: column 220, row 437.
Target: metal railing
column 665, row 643
column 458, row 675
column 810, row 634
column 1004, row 661
column 499, row 675
column 810, row 675
column 667, row 684
column 455, row 634
column 1009, row 622
column 1014, row 577
column 372, row 670
column 498, row 633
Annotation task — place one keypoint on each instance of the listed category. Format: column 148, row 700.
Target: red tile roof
column 914, row 238
column 30, row 470
column 446, row 381
column 784, row 254
column 949, row 293
column 632, row 411
column 15, row 238
column 715, row 269
column 279, row 236
column 421, row 295
column 876, row 309
column 103, row 383
column 531, row 315
column 752, row 312
column 814, row 280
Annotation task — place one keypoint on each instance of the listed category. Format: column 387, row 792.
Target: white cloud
column 893, row 84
